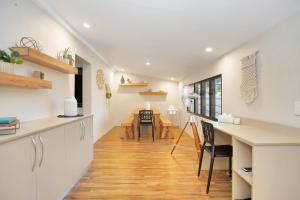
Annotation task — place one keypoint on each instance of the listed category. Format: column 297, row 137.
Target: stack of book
column 9, row 125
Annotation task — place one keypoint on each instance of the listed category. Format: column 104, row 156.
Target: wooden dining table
column 156, row 114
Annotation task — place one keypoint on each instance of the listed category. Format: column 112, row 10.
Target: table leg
column 122, row 134
column 164, row 132
column 157, row 126
column 127, row 132
column 135, row 127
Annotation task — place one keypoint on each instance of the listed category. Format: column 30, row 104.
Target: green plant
column 12, row 57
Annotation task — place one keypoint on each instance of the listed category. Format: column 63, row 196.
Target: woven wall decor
column 249, row 85
column 107, row 91
column 100, row 78
column 29, row 42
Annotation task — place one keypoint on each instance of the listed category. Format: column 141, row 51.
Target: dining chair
column 213, row 150
column 146, row 118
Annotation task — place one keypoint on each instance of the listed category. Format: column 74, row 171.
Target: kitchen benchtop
column 257, row 133
column 35, row 126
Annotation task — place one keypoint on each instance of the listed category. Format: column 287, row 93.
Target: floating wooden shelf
column 40, row 58
column 8, row 79
column 153, row 93
column 133, row 84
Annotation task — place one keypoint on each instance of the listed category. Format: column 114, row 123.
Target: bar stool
column 213, row 150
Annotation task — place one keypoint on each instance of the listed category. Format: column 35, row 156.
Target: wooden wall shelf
column 153, row 93
column 40, row 58
column 133, row 84
column 7, row 79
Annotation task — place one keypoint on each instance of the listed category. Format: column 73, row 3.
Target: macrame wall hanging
column 249, row 87
column 100, row 78
column 107, row 91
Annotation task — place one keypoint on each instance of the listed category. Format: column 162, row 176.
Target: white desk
column 273, row 152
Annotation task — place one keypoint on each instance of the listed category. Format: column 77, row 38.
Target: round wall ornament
column 100, row 78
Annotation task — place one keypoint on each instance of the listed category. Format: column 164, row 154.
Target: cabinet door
column 51, row 170
column 74, row 135
column 88, row 141
column 17, row 177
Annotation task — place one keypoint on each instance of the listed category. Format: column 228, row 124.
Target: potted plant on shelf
column 66, row 56
column 8, row 60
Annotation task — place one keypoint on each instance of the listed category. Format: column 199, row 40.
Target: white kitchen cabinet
column 73, row 134
column 79, row 143
column 51, row 168
column 45, row 164
column 17, row 176
column 87, row 142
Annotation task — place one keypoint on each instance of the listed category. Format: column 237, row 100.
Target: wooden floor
column 125, row 169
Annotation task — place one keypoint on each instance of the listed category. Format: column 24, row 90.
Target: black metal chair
column 146, row 118
column 213, row 150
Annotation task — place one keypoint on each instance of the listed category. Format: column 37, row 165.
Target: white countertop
column 260, row 134
column 31, row 127
column 253, row 135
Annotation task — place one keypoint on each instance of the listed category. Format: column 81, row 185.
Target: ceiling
column 170, row 34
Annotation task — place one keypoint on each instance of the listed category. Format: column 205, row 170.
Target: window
column 217, row 101
column 209, row 97
column 191, row 101
column 198, row 99
column 205, row 98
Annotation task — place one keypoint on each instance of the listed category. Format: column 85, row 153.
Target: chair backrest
column 146, row 115
column 208, row 132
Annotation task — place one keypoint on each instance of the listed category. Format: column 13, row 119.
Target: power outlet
column 297, row 108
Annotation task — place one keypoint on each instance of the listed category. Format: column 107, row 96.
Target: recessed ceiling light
column 148, row 63
column 209, row 49
column 172, row 78
column 86, row 25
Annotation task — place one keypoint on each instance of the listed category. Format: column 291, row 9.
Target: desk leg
column 163, row 132
column 157, row 126
column 135, row 127
column 196, row 139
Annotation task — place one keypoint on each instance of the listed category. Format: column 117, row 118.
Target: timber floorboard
column 124, row 169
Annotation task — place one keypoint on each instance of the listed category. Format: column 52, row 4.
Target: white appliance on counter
column 70, row 107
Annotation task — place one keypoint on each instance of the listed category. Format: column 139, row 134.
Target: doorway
column 82, row 84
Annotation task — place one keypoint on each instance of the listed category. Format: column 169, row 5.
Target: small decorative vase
column 71, row 60
column 66, row 60
column 38, row 74
column 6, row 67
column 11, row 68
column 2, row 66
column 122, row 80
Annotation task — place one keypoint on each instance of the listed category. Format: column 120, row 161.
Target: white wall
column 278, row 79
column 125, row 99
column 27, row 104
column 278, row 75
